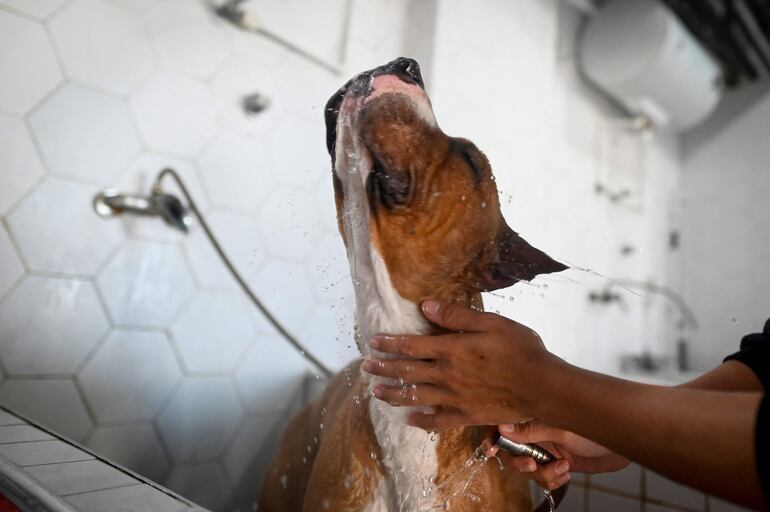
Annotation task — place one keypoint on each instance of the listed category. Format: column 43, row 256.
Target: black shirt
column 755, row 353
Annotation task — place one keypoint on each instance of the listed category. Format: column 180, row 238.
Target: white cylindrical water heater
column 641, row 54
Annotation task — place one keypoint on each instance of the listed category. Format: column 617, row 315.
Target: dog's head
column 431, row 199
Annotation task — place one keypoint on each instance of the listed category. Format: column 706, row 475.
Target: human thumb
column 530, row 432
column 452, row 316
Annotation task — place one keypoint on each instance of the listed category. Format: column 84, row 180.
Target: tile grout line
column 80, row 493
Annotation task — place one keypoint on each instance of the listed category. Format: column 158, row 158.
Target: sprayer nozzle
column 111, row 203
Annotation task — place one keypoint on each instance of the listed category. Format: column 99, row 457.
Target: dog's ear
column 515, row 260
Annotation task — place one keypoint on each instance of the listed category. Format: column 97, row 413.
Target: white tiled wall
column 726, row 224
column 640, row 490
column 127, row 335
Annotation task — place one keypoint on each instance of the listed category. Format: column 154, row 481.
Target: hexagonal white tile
column 204, row 484
column 300, row 168
column 271, row 375
column 135, row 447
column 174, row 113
column 283, row 288
column 11, row 268
column 323, row 194
column 38, row 9
column 145, row 284
column 55, row 404
column 328, row 333
column 49, row 325
column 208, row 268
column 186, row 38
column 140, row 179
column 200, row 419
column 130, row 375
column 236, row 172
column 213, row 332
column 290, row 221
column 134, row 5
column 329, row 269
column 256, row 47
column 58, row 231
column 20, row 166
column 85, row 134
column 306, row 89
column 241, row 77
column 241, row 238
column 118, row 31
column 35, row 71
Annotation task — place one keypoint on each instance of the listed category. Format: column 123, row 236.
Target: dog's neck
column 410, row 454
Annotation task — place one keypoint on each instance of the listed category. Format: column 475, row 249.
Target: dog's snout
column 408, row 67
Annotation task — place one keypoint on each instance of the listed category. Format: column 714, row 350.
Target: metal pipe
column 244, row 286
column 111, row 203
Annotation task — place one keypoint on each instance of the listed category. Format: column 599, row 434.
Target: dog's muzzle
column 406, row 69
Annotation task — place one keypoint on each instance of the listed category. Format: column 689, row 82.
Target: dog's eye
column 390, row 187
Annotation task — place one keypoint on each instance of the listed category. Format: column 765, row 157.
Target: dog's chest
column 408, row 453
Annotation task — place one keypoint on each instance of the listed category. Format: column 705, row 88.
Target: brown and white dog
column 419, row 214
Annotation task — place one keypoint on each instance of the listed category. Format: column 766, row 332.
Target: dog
column 419, row 215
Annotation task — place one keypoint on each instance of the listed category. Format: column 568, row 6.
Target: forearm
column 704, row 439
column 729, row 376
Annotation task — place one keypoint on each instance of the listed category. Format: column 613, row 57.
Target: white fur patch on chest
column 409, row 453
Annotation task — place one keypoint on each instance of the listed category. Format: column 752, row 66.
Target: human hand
column 574, row 453
column 484, row 373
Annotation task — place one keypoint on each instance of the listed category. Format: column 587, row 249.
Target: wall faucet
column 111, row 203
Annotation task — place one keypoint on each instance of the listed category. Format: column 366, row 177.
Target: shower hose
column 291, row 339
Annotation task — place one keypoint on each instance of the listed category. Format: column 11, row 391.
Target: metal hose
column 293, row 341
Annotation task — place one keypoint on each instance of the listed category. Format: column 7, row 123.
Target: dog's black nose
column 408, row 67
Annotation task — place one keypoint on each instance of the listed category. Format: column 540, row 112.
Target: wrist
column 543, row 394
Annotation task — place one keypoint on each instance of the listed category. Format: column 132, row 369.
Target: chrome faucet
column 111, row 203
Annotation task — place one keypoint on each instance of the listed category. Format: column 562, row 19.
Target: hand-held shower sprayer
column 111, row 203
column 541, row 456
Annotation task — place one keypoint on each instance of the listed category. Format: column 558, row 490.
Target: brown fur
column 328, row 446
column 447, row 238
column 494, row 489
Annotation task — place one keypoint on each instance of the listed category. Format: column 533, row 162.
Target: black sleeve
column 755, row 353
column 762, row 440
